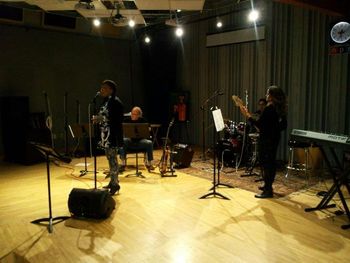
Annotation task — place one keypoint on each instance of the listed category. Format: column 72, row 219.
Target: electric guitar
column 239, row 103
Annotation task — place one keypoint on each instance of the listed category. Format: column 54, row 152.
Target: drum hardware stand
column 254, row 159
column 215, row 184
column 48, row 152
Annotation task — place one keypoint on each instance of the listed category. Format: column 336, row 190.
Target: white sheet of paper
column 218, row 120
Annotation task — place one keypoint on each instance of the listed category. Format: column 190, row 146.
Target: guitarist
column 270, row 124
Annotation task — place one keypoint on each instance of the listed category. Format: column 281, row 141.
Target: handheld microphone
column 97, row 94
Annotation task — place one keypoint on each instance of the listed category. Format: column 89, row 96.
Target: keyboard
column 320, row 138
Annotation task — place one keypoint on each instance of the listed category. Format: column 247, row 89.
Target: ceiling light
column 253, row 15
column 96, row 22
column 131, row 23
column 179, row 32
column 147, row 40
column 219, row 24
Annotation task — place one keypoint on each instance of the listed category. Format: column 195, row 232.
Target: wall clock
column 340, row 32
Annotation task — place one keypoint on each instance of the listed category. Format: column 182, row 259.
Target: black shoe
column 121, row 169
column 114, row 188
column 150, row 168
column 262, row 188
column 265, row 194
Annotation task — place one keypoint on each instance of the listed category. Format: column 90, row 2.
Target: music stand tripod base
column 214, row 194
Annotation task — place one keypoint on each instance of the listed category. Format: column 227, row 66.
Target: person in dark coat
column 110, row 119
column 272, row 121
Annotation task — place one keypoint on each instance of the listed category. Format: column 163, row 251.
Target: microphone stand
column 95, row 145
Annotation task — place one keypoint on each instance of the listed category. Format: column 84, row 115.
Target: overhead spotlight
column 147, row 40
column 96, row 22
column 219, row 24
column 253, row 15
column 131, row 23
column 179, row 32
column 117, row 18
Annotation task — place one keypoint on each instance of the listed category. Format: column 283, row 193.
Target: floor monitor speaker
column 90, row 203
column 183, row 154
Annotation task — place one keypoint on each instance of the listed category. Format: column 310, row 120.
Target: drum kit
column 229, row 148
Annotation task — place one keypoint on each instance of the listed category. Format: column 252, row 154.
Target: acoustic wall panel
column 237, row 36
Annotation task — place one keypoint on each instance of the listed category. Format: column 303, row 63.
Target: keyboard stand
column 338, row 181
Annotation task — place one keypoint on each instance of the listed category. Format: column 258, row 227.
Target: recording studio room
column 174, row 131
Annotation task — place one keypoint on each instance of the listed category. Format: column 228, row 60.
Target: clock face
column 340, row 32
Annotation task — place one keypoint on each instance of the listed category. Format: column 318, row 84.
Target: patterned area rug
column 283, row 185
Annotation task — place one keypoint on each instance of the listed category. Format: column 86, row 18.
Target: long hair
column 279, row 100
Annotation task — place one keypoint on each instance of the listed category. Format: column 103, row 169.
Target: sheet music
column 218, row 120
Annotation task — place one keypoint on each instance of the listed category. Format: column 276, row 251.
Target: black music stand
column 82, row 131
column 136, row 131
column 49, row 153
column 219, row 126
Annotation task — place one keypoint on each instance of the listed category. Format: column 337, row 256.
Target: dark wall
column 35, row 61
column 159, row 61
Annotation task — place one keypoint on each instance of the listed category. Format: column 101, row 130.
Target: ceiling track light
column 96, row 22
column 147, row 39
column 131, row 23
column 179, row 32
column 253, row 15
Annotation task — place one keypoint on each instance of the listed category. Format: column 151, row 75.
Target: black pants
column 267, row 157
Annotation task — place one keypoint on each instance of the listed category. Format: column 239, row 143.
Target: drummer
column 261, row 106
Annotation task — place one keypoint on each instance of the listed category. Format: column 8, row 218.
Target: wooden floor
column 162, row 220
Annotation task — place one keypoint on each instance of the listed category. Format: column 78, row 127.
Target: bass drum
column 228, row 151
